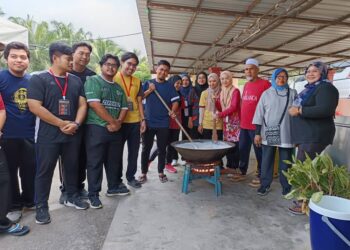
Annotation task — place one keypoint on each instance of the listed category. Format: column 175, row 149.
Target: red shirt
column 251, row 95
column 2, row 105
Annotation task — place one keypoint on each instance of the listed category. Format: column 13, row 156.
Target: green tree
column 101, row 47
column 42, row 34
column 143, row 72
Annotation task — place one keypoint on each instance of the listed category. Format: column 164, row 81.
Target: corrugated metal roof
column 190, row 32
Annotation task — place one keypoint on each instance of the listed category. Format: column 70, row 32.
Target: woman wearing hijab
column 229, row 110
column 207, row 109
column 273, row 130
column 313, row 111
column 190, row 115
column 201, row 85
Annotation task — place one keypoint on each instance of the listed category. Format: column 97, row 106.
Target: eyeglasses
column 110, row 65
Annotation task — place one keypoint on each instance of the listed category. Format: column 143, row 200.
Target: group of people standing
column 70, row 114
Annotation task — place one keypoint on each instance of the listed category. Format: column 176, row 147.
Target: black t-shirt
column 43, row 87
column 82, row 75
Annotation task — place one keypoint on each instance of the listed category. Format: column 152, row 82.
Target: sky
column 103, row 18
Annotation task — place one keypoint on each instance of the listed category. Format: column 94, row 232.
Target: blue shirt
column 156, row 114
column 20, row 122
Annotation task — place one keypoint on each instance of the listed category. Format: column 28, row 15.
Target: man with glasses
column 252, row 91
column 107, row 110
column 81, row 58
column 57, row 98
column 134, row 122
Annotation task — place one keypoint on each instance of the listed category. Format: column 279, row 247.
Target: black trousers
column 104, row 148
column 233, row 156
column 311, row 149
column 4, row 192
column 47, row 156
column 207, row 134
column 162, row 140
column 193, row 132
column 82, row 162
column 171, row 153
column 20, row 155
column 131, row 134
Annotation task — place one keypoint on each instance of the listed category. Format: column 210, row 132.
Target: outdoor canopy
column 10, row 32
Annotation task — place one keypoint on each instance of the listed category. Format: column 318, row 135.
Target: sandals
column 163, row 178
column 142, row 179
column 296, row 208
column 18, row 230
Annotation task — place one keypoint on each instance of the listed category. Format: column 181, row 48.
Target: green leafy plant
column 313, row 178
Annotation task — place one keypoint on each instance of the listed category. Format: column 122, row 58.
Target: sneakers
column 83, row 194
column 95, row 202
column 263, row 190
column 174, row 162
column 42, row 215
column 121, row 190
column 170, row 168
column 77, row 203
column 255, row 183
column 14, row 216
column 134, row 183
column 63, row 198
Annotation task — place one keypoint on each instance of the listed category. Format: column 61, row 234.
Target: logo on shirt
column 20, row 98
column 250, row 98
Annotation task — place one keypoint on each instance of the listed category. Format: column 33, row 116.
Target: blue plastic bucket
column 330, row 223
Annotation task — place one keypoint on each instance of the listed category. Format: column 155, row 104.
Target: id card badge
column 186, row 113
column 63, row 107
column 130, row 105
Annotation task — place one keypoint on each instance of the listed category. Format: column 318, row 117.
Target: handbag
column 273, row 133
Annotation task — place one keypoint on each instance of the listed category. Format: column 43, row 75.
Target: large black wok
column 202, row 151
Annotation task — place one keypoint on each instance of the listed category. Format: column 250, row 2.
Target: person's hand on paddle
column 257, row 140
column 151, row 87
column 172, row 114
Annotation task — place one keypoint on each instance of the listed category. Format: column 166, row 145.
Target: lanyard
column 64, row 89
column 126, row 88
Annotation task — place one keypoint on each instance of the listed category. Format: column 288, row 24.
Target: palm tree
column 100, row 48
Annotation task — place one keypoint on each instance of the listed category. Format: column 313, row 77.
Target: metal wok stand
column 208, row 171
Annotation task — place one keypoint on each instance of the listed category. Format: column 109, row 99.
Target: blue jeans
column 267, row 166
column 246, row 139
column 131, row 135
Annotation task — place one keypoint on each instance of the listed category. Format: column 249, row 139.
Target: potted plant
column 313, row 178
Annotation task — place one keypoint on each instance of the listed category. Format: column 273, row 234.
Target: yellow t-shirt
column 131, row 93
column 208, row 117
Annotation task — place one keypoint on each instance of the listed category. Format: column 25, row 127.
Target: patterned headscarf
column 304, row 95
column 322, row 67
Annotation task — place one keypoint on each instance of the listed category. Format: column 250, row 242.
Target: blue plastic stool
column 212, row 177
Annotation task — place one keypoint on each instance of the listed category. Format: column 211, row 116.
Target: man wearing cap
column 252, row 91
